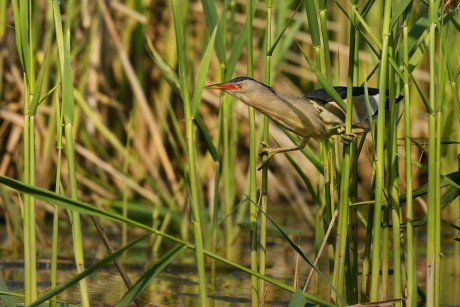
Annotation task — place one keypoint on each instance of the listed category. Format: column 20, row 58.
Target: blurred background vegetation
column 129, row 126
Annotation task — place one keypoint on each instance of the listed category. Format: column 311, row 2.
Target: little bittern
column 315, row 115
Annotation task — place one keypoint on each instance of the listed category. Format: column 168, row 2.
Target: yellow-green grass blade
column 206, row 137
column 78, row 206
column 151, row 273
column 280, row 35
column 36, row 99
column 236, row 50
column 59, row 34
column 6, row 299
column 326, row 84
column 2, row 18
column 75, row 279
column 451, row 180
column 17, row 31
column 202, row 73
column 297, row 299
column 210, row 12
column 401, row 7
column 67, row 84
column 235, row 54
column 143, row 211
column 22, row 30
column 167, row 72
column 312, row 17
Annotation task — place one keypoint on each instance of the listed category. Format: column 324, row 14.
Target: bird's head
column 244, row 88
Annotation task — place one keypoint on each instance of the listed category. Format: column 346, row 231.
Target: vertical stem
column 30, row 282
column 191, row 156
column 456, row 212
column 23, row 26
column 252, row 162
column 395, row 209
column 410, row 253
column 264, row 188
column 228, row 175
column 352, row 272
column 124, row 208
column 75, row 216
column 325, row 39
column 54, row 254
column 437, row 101
column 433, row 234
column 367, row 256
column 33, row 254
column 342, row 228
column 54, row 248
column 385, row 251
column 379, row 157
column 328, row 206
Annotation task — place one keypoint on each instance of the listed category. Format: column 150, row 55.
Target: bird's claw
column 265, row 152
column 347, row 138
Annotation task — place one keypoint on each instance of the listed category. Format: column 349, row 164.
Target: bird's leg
column 269, row 153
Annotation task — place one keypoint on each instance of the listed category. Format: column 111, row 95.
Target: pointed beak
column 222, row 86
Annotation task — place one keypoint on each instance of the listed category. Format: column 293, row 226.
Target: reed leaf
column 150, row 274
column 75, row 279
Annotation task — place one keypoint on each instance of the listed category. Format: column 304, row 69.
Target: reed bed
column 104, row 115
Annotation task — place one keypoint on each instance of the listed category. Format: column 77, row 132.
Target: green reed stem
column 229, row 153
column 75, row 216
column 379, row 157
column 322, row 6
column 191, row 155
column 22, row 11
column 394, row 182
column 54, row 246
column 352, row 267
column 385, row 252
column 410, row 248
column 63, row 46
column 367, row 256
column 342, row 229
column 439, row 98
column 433, row 236
column 30, row 268
column 328, row 205
column 264, row 187
column 253, row 210
column 312, row 17
column 226, row 138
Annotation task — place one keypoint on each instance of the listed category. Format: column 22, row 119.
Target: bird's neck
column 269, row 104
column 264, row 103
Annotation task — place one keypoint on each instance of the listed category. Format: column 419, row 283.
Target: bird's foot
column 340, row 129
column 347, row 138
column 265, row 152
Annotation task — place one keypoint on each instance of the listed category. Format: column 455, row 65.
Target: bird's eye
column 240, row 85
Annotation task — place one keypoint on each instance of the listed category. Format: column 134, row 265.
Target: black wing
column 321, row 96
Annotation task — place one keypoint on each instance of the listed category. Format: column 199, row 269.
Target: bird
column 315, row 115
